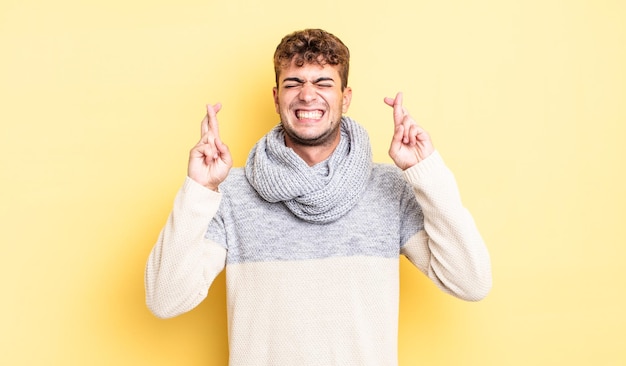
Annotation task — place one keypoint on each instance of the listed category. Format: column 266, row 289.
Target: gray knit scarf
column 319, row 194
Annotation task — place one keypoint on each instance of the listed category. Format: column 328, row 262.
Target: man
column 310, row 231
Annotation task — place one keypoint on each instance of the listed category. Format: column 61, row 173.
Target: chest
column 256, row 230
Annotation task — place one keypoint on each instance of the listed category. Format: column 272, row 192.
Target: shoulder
column 387, row 180
column 235, row 175
column 236, row 183
column 387, row 173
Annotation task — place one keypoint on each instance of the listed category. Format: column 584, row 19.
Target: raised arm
column 183, row 264
column 450, row 249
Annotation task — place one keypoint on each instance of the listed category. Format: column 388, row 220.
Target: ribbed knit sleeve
column 450, row 249
column 183, row 264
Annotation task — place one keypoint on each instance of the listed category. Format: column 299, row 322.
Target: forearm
column 182, row 264
column 450, row 250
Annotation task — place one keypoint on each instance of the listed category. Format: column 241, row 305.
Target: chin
column 322, row 138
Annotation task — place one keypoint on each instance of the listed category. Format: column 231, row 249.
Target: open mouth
column 315, row 114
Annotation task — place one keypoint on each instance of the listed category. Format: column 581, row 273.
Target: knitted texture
column 304, row 294
column 319, row 194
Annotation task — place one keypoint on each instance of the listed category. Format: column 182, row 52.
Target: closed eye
column 292, row 82
column 325, row 82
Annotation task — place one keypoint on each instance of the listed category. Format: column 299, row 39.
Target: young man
column 310, row 231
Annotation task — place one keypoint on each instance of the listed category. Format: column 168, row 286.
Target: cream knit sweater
column 307, row 294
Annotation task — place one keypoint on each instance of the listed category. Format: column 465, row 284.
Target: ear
column 275, row 94
column 347, row 98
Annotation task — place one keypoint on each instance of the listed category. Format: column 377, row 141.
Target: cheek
column 283, row 100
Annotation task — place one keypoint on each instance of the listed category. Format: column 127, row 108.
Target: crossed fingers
column 209, row 128
column 410, row 143
column 209, row 131
column 410, row 130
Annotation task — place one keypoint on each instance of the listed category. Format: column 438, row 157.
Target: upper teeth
column 309, row 114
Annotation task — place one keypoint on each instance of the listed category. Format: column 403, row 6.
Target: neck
column 315, row 154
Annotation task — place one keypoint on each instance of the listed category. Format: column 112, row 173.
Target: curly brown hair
column 313, row 46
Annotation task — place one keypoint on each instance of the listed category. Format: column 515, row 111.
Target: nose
column 307, row 93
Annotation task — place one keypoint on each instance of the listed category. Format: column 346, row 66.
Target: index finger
column 398, row 110
column 204, row 125
column 211, row 124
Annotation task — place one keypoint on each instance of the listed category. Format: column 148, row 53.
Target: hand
column 411, row 143
column 210, row 160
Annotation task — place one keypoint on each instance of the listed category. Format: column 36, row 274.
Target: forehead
column 309, row 71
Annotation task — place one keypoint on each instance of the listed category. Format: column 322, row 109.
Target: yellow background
column 101, row 101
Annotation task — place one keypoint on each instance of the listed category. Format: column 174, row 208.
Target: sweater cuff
column 195, row 189
column 425, row 169
column 198, row 199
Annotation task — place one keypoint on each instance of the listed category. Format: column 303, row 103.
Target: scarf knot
column 319, row 194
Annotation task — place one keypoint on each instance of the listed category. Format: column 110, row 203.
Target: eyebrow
column 301, row 81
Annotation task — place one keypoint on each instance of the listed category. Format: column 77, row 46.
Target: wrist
column 213, row 188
